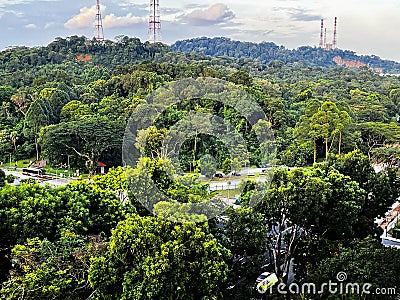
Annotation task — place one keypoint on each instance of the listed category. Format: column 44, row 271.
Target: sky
column 364, row 26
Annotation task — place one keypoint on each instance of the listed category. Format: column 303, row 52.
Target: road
column 223, row 185
column 53, row 182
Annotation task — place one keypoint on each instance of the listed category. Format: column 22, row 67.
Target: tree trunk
column 340, row 141
column 37, row 149
column 91, row 167
column 315, row 150
column 195, row 147
column 326, row 148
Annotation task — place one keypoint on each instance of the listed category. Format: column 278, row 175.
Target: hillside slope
column 266, row 52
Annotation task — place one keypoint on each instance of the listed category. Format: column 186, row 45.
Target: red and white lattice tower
column 154, row 22
column 334, row 44
column 321, row 37
column 99, row 33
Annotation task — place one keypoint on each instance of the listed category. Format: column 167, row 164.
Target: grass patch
column 232, row 193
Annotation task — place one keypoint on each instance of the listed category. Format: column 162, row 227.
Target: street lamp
column 69, row 167
column 229, row 184
column 66, row 165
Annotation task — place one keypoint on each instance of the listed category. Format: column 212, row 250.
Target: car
column 266, row 280
column 234, row 173
column 263, row 276
column 219, row 175
column 267, row 165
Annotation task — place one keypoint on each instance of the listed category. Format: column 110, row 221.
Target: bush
column 10, row 178
column 2, row 178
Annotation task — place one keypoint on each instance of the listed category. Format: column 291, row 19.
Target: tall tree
column 86, row 138
column 326, row 123
column 150, row 258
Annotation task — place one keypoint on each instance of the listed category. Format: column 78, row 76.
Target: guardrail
column 223, row 187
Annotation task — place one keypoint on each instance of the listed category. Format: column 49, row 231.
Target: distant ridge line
column 265, row 52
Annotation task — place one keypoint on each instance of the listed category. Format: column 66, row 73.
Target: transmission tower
column 321, row 36
column 99, row 34
column 154, row 22
column 335, row 35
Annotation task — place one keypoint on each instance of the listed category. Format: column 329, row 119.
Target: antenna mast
column 335, row 35
column 154, row 22
column 99, row 34
column 321, row 37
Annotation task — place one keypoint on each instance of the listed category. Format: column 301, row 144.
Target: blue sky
column 367, row 27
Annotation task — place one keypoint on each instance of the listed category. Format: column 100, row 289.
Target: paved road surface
column 53, row 182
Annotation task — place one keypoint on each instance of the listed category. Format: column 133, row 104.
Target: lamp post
column 229, row 184
column 69, row 167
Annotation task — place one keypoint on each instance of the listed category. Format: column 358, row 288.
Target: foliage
column 243, row 233
column 70, row 101
column 30, row 211
column 150, row 258
column 50, row 270
column 365, row 262
column 2, row 178
column 267, row 52
column 88, row 138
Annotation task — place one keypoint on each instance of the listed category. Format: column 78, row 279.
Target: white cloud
column 18, row 14
column 30, row 26
column 215, row 14
column 112, row 21
column 49, row 25
column 84, row 19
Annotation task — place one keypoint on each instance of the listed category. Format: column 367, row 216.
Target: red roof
column 100, row 164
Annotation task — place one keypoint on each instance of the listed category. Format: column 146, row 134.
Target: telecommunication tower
column 99, row 33
column 154, row 22
column 321, row 37
column 334, row 44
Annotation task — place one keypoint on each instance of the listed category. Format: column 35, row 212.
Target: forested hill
column 78, row 56
column 266, row 52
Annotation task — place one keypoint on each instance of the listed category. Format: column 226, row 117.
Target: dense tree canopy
column 109, row 236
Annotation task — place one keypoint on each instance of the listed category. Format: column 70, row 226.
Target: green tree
column 244, row 233
column 376, row 135
column 150, row 258
column 37, row 116
column 381, row 189
column 2, row 178
column 207, row 166
column 325, row 123
column 86, row 138
column 151, row 142
column 241, row 77
column 74, row 111
column 227, row 165
column 364, row 262
column 302, row 203
column 52, row 270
